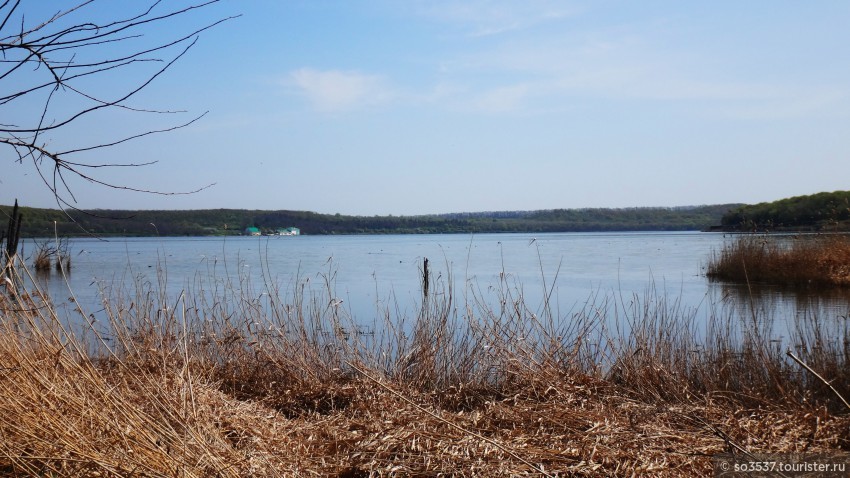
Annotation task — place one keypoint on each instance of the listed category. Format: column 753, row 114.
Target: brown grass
column 222, row 381
column 808, row 260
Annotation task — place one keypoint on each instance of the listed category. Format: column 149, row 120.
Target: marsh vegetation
column 223, row 379
column 816, row 261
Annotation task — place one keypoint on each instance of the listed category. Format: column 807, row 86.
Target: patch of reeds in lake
column 805, row 260
column 47, row 252
column 225, row 380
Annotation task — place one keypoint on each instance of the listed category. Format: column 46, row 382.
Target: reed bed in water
column 225, row 381
column 806, row 260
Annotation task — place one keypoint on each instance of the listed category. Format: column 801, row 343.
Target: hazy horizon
column 410, row 108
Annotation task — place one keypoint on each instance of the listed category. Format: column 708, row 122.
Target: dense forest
column 817, row 212
column 47, row 222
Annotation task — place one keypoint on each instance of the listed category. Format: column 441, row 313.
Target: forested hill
column 40, row 222
column 817, row 212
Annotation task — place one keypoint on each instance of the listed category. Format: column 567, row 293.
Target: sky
column 418, row 107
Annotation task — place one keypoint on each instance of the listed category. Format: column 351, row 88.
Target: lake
column 372, row 273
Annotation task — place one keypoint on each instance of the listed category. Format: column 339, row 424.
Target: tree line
column 208, row 222
column 825, row 211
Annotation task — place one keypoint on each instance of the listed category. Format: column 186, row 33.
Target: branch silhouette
column 46, row 68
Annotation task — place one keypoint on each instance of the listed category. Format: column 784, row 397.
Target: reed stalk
column 233, row 378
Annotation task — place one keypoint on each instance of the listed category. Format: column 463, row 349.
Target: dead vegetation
column 48, row 252
column 222, row 381
column 804, row 260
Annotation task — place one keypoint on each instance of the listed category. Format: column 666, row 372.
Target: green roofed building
column 252, row 231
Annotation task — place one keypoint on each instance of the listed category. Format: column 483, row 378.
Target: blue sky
column 415, row 107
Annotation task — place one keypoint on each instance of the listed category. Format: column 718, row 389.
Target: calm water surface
column 372, row 272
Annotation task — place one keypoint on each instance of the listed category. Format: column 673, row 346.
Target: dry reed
column 806, row 260
column 41, row 261
column 222, row 381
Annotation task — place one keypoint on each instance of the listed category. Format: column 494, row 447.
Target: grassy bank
column 806, row 260
column 226, row 381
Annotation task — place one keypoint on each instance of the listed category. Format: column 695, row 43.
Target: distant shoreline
column 232, row 222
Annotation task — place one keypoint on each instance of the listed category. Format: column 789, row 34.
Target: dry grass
column 41, row 261
column 46, row 252
column 817, row 261
column 223, row 381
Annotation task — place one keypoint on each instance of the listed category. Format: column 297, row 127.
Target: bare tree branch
column 49, row 59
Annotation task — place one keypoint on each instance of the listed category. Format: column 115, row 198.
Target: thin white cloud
column 493, row 17
column 793, row 103
column 549, row 72
column 502, row 99
column 546, row 75
column 337, row 91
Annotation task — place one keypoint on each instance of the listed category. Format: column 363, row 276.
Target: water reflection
column 791, row 301
column 794, row 318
